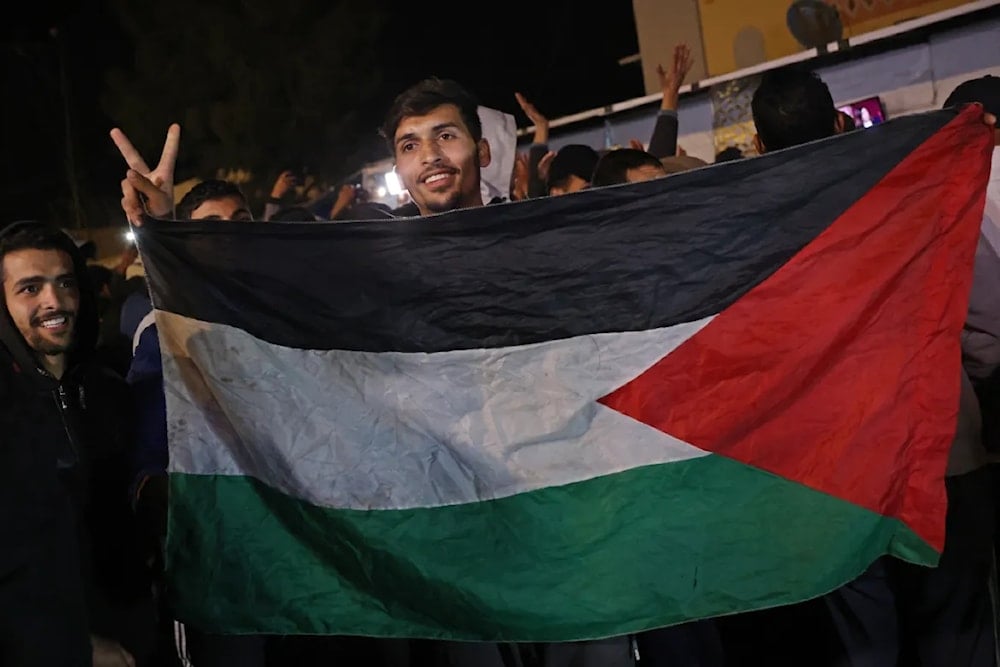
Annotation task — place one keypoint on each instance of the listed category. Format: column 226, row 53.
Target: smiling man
column 434, row 131
column 67, row 559
column 43, row 298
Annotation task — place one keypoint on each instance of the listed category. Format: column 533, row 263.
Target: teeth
column 435, row 178
column 54, row 322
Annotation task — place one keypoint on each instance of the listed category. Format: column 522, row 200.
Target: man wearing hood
column 66, row 545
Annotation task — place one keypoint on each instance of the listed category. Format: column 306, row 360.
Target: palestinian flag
column 575, row 417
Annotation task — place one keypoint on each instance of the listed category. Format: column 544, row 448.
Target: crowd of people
column 83, row 467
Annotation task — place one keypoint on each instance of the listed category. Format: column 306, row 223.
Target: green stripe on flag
column 649, row 547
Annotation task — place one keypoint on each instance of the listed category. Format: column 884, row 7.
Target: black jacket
column 64, row 476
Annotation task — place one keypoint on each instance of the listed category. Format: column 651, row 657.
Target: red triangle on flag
column 841, row 370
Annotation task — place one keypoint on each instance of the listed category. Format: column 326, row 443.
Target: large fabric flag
column 574, row 417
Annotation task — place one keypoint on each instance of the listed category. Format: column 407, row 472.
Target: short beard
column 48, row 348
column 451, row 204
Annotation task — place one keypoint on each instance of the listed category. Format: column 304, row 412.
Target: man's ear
column 484, row 154
column 759, row 145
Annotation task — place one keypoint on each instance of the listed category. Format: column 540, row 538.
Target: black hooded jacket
column 64, row 469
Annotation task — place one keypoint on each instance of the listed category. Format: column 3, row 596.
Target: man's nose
column 51, row 297
column 430, row 152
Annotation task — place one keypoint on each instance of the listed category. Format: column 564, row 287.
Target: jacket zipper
column 62, row 403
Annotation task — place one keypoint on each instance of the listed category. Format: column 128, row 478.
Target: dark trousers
column 202, row 649
column 898, row 613
column 43, row 619
column 613, row 652
column 695, row 644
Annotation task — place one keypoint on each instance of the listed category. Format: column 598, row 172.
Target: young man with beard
column 69, row 563
column 434, row 132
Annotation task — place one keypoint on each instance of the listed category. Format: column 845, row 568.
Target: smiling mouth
column 53, row 322
column 437, row 178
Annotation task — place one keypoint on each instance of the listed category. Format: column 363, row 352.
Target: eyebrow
column 437, row 128
column 30, row 280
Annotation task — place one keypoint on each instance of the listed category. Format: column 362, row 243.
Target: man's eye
column 407, row 147
column 67, row 283
column 447, row 135
column 29, row 289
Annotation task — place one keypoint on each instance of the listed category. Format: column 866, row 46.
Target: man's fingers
column 132, row 203
column 132, row 157
column 168, row 158
column 527, row 107
column 157, row 202
column 990, row 119
column 141, row 183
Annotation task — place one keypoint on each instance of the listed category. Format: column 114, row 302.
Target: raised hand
column 519, row 181
column 146, row 190
column 672, row 79
column 283, row 184
column 543, row 166
column 345, row 197
column 540, row 122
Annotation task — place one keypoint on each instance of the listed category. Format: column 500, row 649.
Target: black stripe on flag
column 622, row 258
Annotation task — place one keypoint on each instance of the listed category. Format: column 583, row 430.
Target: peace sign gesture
column 146, row 190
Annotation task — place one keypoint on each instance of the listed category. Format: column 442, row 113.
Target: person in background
column 571, row 169
column 663, row 143
column 281, row 193
column 896, row 611
column 626, row 165
column 533, row 181
column 729, row 154
column 983, row 326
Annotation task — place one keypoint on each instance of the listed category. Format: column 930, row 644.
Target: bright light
column 130, row 236
column 392, row 183
column 380, row 191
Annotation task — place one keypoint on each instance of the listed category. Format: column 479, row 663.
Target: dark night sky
column 564, row 58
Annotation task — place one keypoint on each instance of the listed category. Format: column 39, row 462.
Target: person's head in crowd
column 793, row 107
column 214, row 199
column 293, row 214
column 985, row 90
column 626, row 165
column 729, row 154
column 88, row 249
column 101, row 278
column 571, row 169
column 675, row 164
column 47, row 294
column 436, row 137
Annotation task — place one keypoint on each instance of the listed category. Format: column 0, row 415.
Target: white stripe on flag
column 367, row 430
